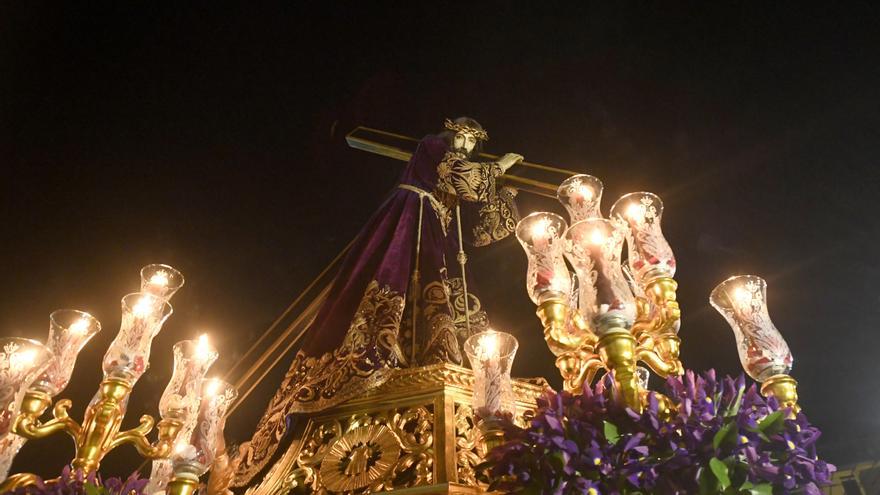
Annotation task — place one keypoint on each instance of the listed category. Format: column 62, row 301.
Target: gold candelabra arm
column 661, row 292
column 661, row 354
column 617, row 349
column 784, row 388
column 35, row 403
column 137, row 436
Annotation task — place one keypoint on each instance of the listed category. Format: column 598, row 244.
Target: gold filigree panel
column 366, row 452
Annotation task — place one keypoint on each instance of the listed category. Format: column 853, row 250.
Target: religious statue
column 401, row 296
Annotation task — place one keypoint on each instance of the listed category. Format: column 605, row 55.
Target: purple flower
column 590, row 443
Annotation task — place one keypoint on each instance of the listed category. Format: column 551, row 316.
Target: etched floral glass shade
column 196, row 454
column 581, row 195
column 192, row 358
column 594, row 248
column 649, row 254
column 21, row 362
column 540, row 235
column 69, row 331
column 143, row 315
column 491, row 356
column 742, row 301
column 161, row 280
column 182, row 398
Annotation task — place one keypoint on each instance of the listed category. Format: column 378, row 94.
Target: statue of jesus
column 401, row 297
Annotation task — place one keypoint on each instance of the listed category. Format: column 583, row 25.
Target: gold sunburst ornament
column 361, row 457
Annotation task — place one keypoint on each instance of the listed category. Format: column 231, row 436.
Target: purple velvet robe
column 377, row 316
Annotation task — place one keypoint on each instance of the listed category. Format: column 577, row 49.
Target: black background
column 210, row 137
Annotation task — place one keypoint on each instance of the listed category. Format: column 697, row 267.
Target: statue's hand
column 509, row 160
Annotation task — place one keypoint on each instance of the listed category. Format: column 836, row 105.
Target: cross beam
column 400, row 147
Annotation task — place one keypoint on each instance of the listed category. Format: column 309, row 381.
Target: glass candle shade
column 21, row 362
column 196, row 454
column 594, row 246
column 69, row 331
column 742, row 301
column 649, row 254
column 192, row 358
column 581, row 195
column 143, row 315
column 491, row 356
column 540, row 235
column 161, row 280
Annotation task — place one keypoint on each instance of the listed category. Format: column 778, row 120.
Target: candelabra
column 127, row 358
column 612, row 315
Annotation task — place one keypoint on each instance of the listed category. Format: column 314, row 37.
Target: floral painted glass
column 195, row 455
column 491, row 356
column 181, row 398
column 143, row 315
column 540, row 235
column 595, row 246
column 161, row 280
column 21, row 362
column 581, row 195
column 742, row 301
column 69, row 331
column 649, row 254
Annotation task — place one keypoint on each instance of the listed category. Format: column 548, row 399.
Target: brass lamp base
column 784, row 388
column 617, row 348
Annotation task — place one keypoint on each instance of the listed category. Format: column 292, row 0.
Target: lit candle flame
column 636, row 212
column 24, row 359
column 743, row 298
column 212, row 388
column 143, row 307
column 585, row 192
column 539, row 229
column 160, row 278
column 80, row 326
column 203, row 348
column 489, row 345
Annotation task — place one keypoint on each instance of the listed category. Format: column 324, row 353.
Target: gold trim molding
column 416, row 433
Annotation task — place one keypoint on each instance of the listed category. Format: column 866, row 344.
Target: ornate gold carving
column 360, row 458
column 366, row 358
column 470, row 450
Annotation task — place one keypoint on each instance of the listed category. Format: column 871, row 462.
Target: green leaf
column 708, row 483
column 557, row 460
column 611, row 433
column 773, row 423
column 93, row 489
column 719, row 469
column 762, row 489
column 733, row 408
column 722, row 434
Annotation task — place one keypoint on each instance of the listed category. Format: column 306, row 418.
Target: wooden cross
column 531, row 177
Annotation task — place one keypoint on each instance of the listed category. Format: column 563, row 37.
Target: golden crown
column 477, row 133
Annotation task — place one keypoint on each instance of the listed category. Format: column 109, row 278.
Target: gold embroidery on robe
column 470, row 181
column 498, row 218
column 445, row 323
column 313, row 384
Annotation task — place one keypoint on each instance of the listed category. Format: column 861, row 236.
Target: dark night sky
column 211, row 138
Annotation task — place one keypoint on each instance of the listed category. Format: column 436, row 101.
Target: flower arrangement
column 80, row 484
column 721, row 438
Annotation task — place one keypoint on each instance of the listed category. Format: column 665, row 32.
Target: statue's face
column 464, row 141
